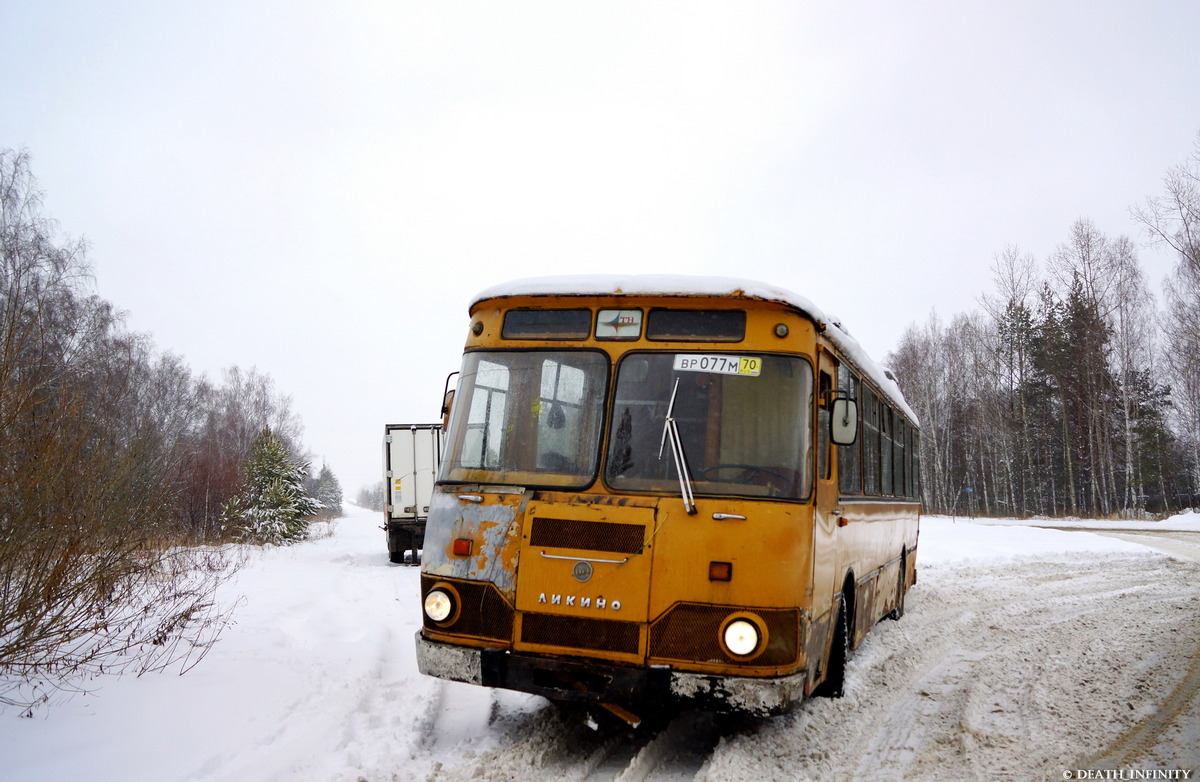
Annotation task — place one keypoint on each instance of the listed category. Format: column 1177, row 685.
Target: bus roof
column 689, row 286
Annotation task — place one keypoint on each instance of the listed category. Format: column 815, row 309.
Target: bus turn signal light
column 462, row 547
column 720, row 571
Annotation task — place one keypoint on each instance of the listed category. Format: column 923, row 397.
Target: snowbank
column 1188, row 521
column 949, row 540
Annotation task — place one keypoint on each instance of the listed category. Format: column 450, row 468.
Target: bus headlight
column 439, row 605
column 741, row 637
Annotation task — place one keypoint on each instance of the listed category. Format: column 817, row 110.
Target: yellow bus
column 665, row 490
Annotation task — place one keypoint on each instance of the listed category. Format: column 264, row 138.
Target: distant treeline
column 1072, row 392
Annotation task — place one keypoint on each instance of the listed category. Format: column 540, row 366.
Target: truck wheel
column 399, row 542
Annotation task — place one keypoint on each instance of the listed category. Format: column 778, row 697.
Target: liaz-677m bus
column 665, row 490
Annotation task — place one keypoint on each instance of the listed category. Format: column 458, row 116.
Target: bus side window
column 912, row 462
column 885, row 450
column 916, row 460
column 870, row 440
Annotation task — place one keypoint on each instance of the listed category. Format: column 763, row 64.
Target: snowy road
column 1025, row 653
column 1025, row 670
column 1185, row 545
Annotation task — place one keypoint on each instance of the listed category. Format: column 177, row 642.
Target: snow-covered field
column 1025, row 652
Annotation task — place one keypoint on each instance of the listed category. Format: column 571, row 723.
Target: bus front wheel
column 834, row 685
column 901, row 588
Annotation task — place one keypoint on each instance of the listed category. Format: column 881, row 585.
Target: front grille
column 692, row 633
column 484, row 611
column 602, row 635
column 587, row 535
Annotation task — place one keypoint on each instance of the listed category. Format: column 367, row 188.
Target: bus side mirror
column 843, row 422
column 447, row 406
column 447, row 402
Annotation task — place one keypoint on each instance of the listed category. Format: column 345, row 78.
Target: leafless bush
column 93, row 438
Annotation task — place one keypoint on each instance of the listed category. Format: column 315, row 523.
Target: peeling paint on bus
column 490, row 525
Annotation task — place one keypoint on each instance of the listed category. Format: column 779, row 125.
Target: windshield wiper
column 671, row 432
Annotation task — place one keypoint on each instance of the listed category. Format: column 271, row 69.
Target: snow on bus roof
column 689, row 286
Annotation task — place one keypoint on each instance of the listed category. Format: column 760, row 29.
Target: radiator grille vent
column 484, row 612
column 580, row 633
column 587, row 535
column 692, row 633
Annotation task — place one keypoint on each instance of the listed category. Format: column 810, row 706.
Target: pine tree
column 329, row 492
column 273, row 506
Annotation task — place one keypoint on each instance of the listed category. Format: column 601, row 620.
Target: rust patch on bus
column 492, row 526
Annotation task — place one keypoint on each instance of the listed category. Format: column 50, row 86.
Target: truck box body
column 412, row 454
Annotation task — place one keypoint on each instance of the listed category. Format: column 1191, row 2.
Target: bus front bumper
column 595, row 681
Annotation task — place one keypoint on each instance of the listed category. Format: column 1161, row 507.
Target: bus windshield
column 743, row 423
column 528, row 418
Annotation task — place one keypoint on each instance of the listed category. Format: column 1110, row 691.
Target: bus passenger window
column 885, row 450
column 916, row 462
column 870, row 442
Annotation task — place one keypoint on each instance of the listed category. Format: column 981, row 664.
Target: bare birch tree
column 1173, row 220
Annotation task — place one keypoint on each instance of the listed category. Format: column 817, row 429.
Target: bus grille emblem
column 582, row 571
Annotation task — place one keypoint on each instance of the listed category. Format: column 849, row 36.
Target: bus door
column 827, row 513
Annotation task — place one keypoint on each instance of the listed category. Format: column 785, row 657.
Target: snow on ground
column 1027, row 652
column 946, row 540
column 316, row 678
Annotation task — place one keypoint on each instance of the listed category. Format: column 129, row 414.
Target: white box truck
column 412, row 454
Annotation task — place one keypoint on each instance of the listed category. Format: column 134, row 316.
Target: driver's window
column 484, row 438
column 824, row 400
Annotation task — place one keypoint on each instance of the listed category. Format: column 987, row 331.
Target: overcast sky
column 318, row 189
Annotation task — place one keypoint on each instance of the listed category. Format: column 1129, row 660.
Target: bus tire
column 901, row 588
column 834, row 685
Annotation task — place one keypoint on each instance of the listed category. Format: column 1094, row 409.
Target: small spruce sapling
column 273, row 507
